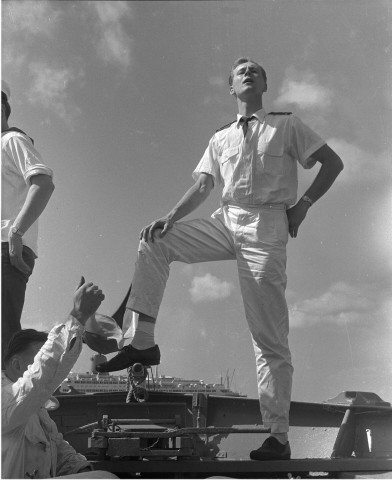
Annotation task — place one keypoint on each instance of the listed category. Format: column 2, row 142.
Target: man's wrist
column 307, row 200
column 80, row 317
column 169, row 217
column 15, row 231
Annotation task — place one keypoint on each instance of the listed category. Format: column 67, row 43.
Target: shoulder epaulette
column 225, row 126
column 18, row 130
column 280, row 113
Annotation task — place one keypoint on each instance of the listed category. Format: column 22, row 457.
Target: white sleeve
column 26, row 158
column 50, row 367
column 209, row 164
column 304, row 142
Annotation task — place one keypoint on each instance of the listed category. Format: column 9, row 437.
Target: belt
column 262, row 206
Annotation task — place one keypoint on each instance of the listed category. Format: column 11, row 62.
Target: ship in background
column 105, row 383
column 93, row 382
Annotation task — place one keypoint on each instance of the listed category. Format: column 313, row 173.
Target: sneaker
column 128, row 356
column 272, row 449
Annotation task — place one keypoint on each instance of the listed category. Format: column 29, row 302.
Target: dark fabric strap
column 18, row 130
column 245, row 121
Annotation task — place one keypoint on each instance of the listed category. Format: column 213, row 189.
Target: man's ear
column 232, row 92
column 15, row 363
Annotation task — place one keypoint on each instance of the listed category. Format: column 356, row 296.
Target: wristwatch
column 16, row 231
column 307, row 199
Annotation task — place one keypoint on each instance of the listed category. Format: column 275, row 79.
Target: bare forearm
column 331, row 166
column 37, row 198
column 192, row 199
column 330, row 169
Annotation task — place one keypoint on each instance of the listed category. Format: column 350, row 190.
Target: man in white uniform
column 255, row 160
column 36, row 364
column 27, row 186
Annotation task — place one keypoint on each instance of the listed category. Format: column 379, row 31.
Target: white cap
column 6, row 89
column 102, row 334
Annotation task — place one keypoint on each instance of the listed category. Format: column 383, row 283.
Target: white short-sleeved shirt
column 19, row 162
column 261, row 167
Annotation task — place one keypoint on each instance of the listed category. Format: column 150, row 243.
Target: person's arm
column 38, row 196
column 52, row 363
column 331, row 166
column 68, row 460
column 192, row 199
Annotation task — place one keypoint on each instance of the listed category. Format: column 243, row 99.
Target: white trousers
column 256, row 237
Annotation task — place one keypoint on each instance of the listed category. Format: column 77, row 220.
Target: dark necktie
column 245, row 121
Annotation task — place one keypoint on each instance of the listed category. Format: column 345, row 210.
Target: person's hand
column 87, row 299
column 163, row 224
column 296, row 216
column 15, row 243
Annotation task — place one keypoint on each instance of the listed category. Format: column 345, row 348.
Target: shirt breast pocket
column 272, row 158
column 227, row 161
column 229, row 154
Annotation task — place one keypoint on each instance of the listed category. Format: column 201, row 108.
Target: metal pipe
column 182, row 431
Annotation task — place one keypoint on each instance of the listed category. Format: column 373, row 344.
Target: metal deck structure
column 198, row 436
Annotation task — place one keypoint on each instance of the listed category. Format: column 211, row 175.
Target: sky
column 122, row 98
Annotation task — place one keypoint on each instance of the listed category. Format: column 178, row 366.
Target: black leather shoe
column 128, row 356
column 272, row 449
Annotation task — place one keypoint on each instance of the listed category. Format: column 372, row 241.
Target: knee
column 158, row 250
column 145, row 248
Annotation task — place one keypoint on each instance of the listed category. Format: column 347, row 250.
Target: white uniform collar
column 260, row 115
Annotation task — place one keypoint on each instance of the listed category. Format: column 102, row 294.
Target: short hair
column 22, row 340
column 4, row 101
column 242, row 60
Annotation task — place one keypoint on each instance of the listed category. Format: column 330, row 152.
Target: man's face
column 248, row 79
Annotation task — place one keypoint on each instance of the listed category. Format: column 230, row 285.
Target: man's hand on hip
column 15, row 243
column 296, row 216
column 87, row 299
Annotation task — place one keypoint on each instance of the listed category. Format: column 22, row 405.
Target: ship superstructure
column 105, row 383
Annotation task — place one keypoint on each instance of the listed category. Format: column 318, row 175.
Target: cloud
column 214, row 100
column 114, row 44
column 24, row 24
column 209, row 288
column 341, row 304
column 219, row 96
column 50, row 89
column 27, row 17
column 360, row 165
column 12, row 59
column 387, row 78
column 303, row 90
column 217, row 81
